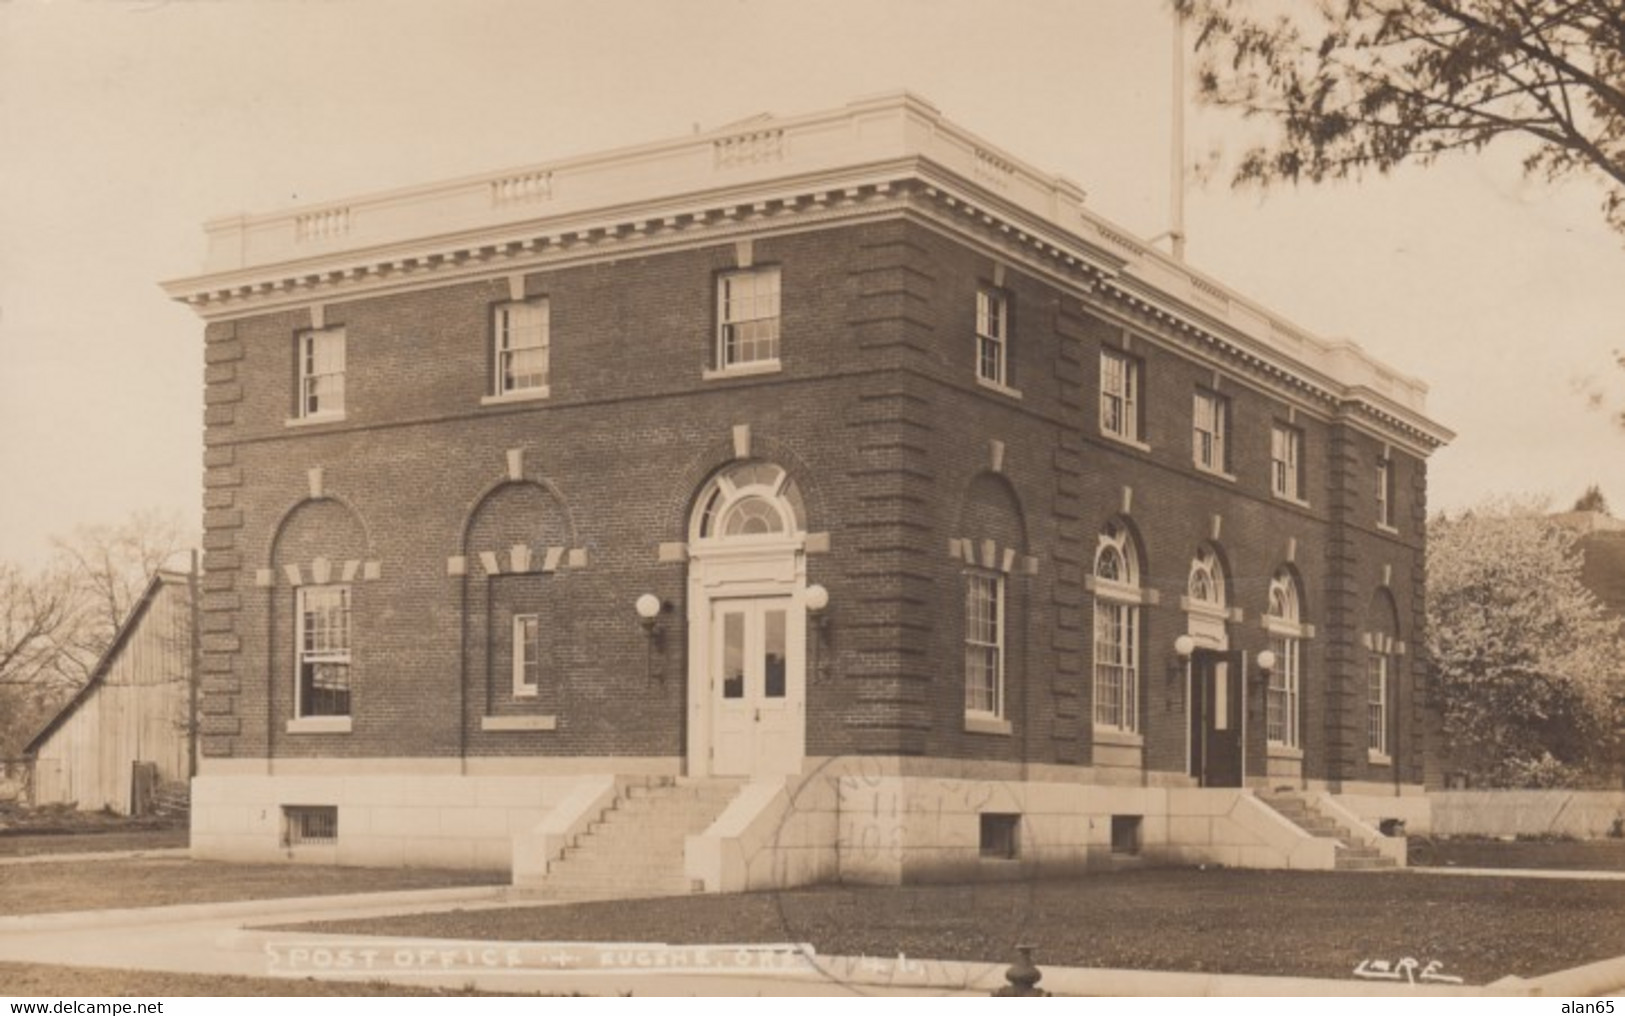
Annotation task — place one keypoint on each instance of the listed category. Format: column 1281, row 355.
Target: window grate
column 1126, row 834
column 310, row 825
column 1000, row 836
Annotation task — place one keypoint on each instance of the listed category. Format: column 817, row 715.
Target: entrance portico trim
column 747, row 574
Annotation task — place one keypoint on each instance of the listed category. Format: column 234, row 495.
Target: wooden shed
column 127, row 732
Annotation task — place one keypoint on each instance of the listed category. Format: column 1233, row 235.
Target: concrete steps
column 1347, row 856
column 635, row 848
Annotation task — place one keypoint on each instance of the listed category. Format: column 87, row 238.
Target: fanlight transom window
column 1206, row 586
column 752, row 499
column 1116, row 560
column 1284, row 604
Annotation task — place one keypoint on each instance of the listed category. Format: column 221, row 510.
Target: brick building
column 840, row 488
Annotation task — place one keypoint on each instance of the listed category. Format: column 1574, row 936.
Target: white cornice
column 447, row 260
column 888, row 156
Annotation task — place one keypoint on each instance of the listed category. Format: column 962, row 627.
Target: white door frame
column 744, row 568
column 1208, row 627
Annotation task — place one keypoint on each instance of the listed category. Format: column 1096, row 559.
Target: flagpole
column 1177, row 169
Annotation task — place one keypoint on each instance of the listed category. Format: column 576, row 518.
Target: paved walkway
column 1598, row 876
column 226, row 938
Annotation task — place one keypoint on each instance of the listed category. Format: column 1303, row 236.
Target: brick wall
column 877, row 415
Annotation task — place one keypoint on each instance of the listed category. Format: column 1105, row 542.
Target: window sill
column 319, row 725
column 1377, row 758
column 1213, row 610
column 1121, row 738
column 1139, row 446
column 742, row 370
column 1217, row 474
column 1116, row 592
column 1383, row 527
column 314, row 420
column 522, row 395
column 1287, row 629
column 984, row 724
column 995, row 386
column 519, row 723
column 1298, row 501
column 1278, row 750
column 524, row 691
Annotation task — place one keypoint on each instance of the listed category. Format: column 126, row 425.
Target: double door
column 757, row 693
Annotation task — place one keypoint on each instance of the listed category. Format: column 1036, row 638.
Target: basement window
column 310, row 825
column 1126, row 834
column 1000, row 841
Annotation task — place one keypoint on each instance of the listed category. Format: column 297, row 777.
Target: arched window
column 1116, row 558
column 1382, row 646
column 1284, row 598
column 1206, row 585
column 752, row 516
column 1284, row 621
column 1117, row 630
column 750, row 499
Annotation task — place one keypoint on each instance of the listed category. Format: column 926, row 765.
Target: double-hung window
column 1281, row 721
column 1119, row 395
column 1284, row 622
column 1378, row 675
column 1117, row 632
column 527, row 661
column 321, row 373
column 1210, row 445
column 1116, row 664
column 520, row 334
column 992, row 336
column 323, row 687
column 1286, row 462
column 1385, row 492
column 984, row 644
column 748, row 320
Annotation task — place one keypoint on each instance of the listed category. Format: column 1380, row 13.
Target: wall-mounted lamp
column 649, row 608
column 1179, row 675
column 816, row 599
column 1266, row 662
column 817, row 605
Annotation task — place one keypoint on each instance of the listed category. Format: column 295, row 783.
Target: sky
column 124, row 126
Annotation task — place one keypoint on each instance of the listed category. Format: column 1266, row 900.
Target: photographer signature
column 1404, row 970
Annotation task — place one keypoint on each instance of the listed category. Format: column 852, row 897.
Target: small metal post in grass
column 1023, row 977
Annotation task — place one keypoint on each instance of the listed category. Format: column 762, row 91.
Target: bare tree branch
column 1358, row 85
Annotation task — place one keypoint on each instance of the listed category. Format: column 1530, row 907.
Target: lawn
column 45, row 886
column 33, row 844
column 1318, row 924
column 60, row 829
column 1566, row 855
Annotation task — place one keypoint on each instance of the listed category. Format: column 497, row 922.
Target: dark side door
column 1216, row 717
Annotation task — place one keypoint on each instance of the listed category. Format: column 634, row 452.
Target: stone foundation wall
column 445, row 821
column 1582, row 814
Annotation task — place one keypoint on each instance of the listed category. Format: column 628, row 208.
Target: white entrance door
column 756, row 688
